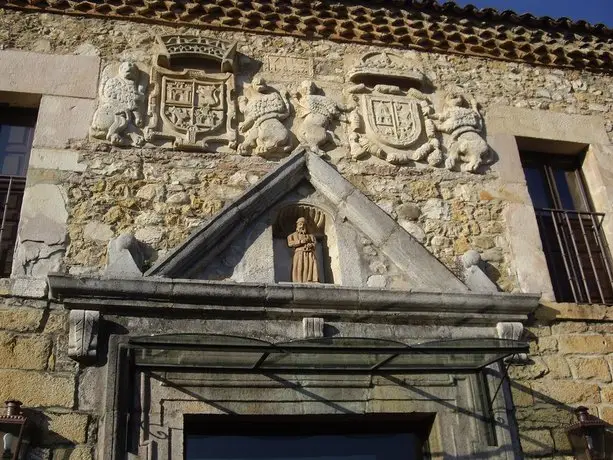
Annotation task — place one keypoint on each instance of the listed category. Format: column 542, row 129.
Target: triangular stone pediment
column 361, row 245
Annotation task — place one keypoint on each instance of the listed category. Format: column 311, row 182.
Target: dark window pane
column 309, row 447
column 15, row 144
column 537, row 187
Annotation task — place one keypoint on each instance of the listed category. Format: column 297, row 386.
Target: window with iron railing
column 576, row 251
column 16, row 134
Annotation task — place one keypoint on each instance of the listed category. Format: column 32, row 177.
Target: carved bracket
column 312, row 327
column 512, row 331
column 83, row 335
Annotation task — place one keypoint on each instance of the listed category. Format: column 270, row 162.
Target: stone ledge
column 554, row 311
column 23, row 287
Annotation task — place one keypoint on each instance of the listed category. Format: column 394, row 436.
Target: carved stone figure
column 119, row 115
column 265, row 134
column 191, row 108
column 464, row 123
column 317, row 112
column 304, row 262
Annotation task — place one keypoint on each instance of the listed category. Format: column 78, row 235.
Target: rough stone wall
column 35, row 369
column 570, row 350
column 162, row 195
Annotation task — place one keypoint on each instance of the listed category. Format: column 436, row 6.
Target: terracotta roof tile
column 416, row 24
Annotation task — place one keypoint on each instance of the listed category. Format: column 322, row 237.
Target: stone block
column 37, row 389
column 23, row 352
column 61, row 160
column 529, row 372
column 29, row 287
column 560, row 440
column 565, row 391
column 24, row 72
column 547, row 344
column 590, row 369
column 75, row 115
column 606, row 393
column 569, row 327
column 522, row 395
column 42, row 231
column 539, row 124
column 78, row 453
column 558, row 367
column 508, row 166
column 606, row 414
column 21, row 319
column 544, row 416
column 526, row 250
column 536, row 442
column 66, row 428
column 585, row 344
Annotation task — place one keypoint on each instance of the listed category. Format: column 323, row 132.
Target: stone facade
column 100, row 174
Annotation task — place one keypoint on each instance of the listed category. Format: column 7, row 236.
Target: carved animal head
column 128, row 70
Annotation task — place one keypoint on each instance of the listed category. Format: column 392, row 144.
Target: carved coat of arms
column 190, row 107
column 395, row 119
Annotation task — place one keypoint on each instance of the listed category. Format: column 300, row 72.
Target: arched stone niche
column 320, row 225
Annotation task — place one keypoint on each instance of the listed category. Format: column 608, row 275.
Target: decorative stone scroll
column 190, row 107
column 263, row 129
column 395, row 119
column 83, row 335
column 512, row 331
column 119, row 116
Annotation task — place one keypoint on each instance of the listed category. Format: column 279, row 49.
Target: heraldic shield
column 393, row 121
column 193, row 107
column 193, row 104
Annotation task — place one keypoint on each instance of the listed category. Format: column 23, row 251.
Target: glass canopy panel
column 327, row 354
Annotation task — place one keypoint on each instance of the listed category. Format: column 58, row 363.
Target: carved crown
column 188, row 46
column 384, row 66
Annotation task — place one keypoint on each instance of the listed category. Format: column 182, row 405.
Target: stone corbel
column 312, row 328
column 83, row 335
column 512, row 331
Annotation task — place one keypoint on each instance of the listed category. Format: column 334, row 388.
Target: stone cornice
column 411, row 24
column 164, row 297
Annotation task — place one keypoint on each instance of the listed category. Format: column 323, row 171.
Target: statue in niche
column 304, row 263
column 118, row 118
column 464, row 123
column 318, row 112
column 263, row 128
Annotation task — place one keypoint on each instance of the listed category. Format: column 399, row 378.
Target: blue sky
column 593, row 11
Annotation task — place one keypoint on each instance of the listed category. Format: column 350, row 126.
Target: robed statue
column 304, row 262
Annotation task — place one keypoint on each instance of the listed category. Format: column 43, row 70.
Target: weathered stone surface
column 558, row 367
column 24, row 352
column 566, row 391
column 590, row 369
column 585, row 344
column 42, row 231
column 97, row 231
column 23, row 72
column 75, row 113
column 536, row 442
column 21, row 319
column 70, row 427
column 26, row 386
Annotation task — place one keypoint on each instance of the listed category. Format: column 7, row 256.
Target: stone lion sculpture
column 263, row 128
column 121, row 101
column 464, row 123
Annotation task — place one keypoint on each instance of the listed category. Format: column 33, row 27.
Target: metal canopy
column 338, row 354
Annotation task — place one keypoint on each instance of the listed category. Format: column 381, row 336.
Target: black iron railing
column 11, row 197
column 577, row 255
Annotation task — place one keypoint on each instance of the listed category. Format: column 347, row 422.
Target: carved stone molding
column 512, row 331
column 83, row 335
column 312, row 327
column 474, row 276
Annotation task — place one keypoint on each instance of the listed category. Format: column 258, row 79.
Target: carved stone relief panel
column 264, row 110
column 190, row 107
column 120, row 114
column 395, row 117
